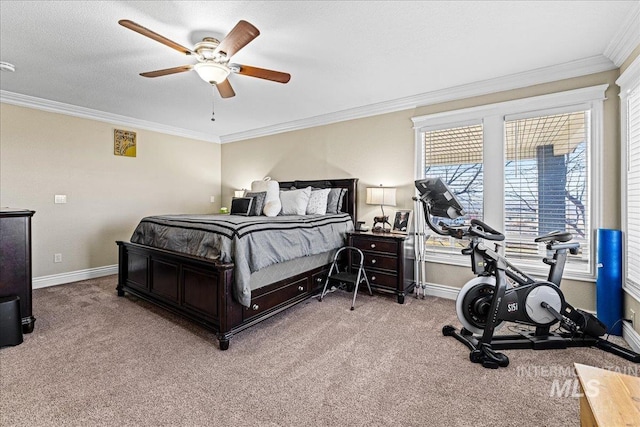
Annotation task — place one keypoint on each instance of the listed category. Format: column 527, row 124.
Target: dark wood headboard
column 350, row 204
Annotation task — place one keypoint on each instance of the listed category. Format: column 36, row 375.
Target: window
column 546, row 182
column 629, row 83
column 455, row 155
column 525, row 167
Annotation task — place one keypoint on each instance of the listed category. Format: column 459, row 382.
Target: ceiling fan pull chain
column 213, row 106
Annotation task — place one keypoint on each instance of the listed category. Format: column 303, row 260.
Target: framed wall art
column 124, row 143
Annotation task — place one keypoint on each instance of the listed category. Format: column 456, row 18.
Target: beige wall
column 43, row 154
column 380, row 150
column 377, row 150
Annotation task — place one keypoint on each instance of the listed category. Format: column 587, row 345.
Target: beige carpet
column 98, row 360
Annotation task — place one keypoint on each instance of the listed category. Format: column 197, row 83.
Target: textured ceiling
column 341, row 54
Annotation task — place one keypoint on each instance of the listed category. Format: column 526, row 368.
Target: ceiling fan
column 213, row 57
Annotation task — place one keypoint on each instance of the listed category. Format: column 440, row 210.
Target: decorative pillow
column 334, row 201
column 241, row 205
column 318, row 202
column 272, row 203
column 258, row 202
column 294, row 202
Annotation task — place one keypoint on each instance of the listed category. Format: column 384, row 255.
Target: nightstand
column 386, row 261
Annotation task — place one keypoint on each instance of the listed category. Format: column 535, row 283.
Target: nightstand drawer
column 384, row 262
column 382, row 279
column 369, row 244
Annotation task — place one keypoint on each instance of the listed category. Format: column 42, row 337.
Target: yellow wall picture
column 124, row 143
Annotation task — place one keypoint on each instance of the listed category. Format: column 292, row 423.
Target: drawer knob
column 319, row 280
column 255, row 307
column 373, row 278
column 373, row 245
column 373, row 261
column 300, row 288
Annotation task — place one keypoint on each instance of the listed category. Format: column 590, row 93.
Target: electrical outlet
column 57, row 257
column 213, row 199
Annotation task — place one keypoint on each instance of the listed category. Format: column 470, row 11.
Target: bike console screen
column 442, row 201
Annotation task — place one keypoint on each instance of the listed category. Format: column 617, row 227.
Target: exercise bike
column 502, row 293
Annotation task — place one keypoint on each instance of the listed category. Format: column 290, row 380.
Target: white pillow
column 294, row 202
column 272, row 200
column 318, row 202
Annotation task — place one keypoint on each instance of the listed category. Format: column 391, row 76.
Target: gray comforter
column 251, row 243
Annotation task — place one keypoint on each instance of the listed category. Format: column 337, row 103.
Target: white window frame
column 493, row 117
column 628, row 82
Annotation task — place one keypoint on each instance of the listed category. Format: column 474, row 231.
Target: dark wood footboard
column 202, row 290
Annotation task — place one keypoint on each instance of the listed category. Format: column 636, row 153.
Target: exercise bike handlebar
column 484, row 231
column 477, row 228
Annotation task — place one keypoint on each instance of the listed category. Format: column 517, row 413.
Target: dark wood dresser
column 15, row 260
column 386, row 261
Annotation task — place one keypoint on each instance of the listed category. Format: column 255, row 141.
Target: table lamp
column 383, row 196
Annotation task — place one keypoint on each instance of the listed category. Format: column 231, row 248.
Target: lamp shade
column 381, row 196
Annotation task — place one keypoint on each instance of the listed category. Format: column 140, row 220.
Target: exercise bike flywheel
column 473, row 303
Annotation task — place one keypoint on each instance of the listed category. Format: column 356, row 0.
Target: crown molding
column 567, row 70
column 559, row 101
column 626, row 39
column 101, row 116
column 629, row 78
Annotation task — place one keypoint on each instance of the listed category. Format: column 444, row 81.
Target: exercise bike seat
column 554, row 236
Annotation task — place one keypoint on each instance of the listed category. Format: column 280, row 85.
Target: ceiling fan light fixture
column 212, row 72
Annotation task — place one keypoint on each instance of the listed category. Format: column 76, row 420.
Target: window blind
column 455, row 155
column 546, row 181
column 633, row 188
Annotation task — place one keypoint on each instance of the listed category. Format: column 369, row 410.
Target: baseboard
column 73, row 276
column 631, row 336
column 441, row 291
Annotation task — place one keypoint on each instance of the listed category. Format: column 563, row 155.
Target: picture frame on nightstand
column 402, row 221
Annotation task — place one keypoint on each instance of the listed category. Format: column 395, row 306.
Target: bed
column 217, row 292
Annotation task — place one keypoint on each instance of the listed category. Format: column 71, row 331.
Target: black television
column 441, row 200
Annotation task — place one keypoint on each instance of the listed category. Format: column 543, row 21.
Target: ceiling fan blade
column 167, row 71
column 225, row 89
column 155, row 36
column 238, row 38
column 262, row 73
